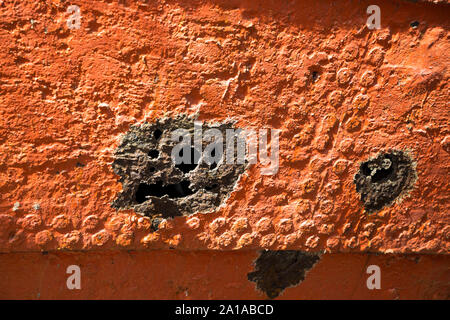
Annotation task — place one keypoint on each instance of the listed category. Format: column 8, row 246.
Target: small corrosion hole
column 155, row 223
column 152, row 169
column 315, row 75
column 384, row 179
column 414, row 24
column 153, row 154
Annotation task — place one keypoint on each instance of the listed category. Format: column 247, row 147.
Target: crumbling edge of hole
column 224, row 201
column 211, row 211
column 247, row 167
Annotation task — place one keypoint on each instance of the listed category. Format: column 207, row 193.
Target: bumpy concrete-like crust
column 339, row 93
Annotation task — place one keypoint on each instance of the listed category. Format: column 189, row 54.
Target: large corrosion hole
column 278, row 270
column 384, row 179
column 155, row 186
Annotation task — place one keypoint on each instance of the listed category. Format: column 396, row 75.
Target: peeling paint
column 278, row 270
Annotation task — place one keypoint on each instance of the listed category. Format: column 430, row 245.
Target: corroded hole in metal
column 414, row 24
column 278, row 270
column 384, row 179
column 155, row 187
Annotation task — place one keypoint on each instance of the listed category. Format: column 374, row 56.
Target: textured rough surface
column 215, row 275
column 339, row 93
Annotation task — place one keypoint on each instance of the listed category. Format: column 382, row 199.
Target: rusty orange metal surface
column 338, row 92
column 377, row 89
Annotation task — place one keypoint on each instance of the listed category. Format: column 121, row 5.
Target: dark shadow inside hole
column 186, row 167
column 212, row 187
column 391, row 174
column 414, row 24
column 157, row 134
column 153, row 154
column 365, row 168
column 213, row 165
column 177, row 190
column 381, row 174
column 152, row 169
column 315, row 75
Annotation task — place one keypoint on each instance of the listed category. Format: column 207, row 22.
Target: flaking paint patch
column 278, row 270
